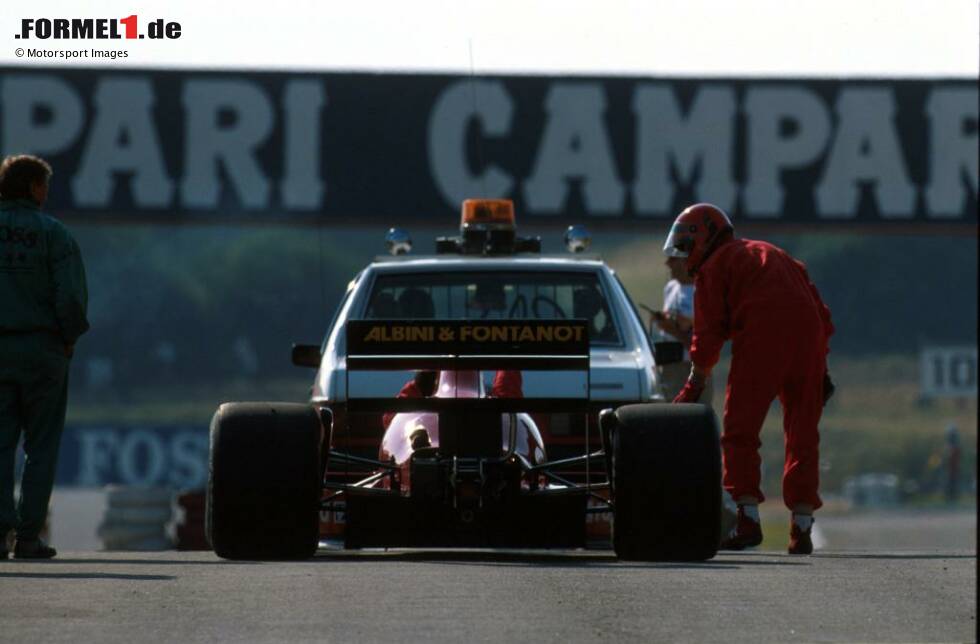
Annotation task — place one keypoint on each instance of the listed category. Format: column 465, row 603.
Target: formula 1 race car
column 459, row 466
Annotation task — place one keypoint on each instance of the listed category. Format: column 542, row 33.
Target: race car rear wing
column 469, row 345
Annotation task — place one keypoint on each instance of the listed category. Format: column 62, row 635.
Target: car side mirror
column 306, row 355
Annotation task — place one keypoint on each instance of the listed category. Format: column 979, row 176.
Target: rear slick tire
column 263, row 493
column 666, row 470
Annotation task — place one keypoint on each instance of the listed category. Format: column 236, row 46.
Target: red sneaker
column 800, row 542
column 746, row 534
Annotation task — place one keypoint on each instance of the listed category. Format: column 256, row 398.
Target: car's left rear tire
column 265, row 481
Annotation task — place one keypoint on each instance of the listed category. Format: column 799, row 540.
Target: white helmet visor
column 671, row 246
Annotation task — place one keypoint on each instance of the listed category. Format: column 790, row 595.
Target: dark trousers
column 33, row 399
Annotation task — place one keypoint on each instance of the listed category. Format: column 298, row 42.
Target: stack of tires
column 190, row 526
column 136, row 518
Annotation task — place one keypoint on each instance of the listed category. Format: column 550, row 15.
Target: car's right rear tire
column 264, row 487
column 667, row 480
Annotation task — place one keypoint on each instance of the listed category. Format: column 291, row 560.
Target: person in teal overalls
column 43, row 301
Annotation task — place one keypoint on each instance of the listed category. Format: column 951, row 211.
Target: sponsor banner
column 949, row 372
column 97, row 455
column 487, row 338
column 385, row 149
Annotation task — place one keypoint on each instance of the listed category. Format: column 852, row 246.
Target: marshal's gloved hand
column 828, row 387
column 692, row 390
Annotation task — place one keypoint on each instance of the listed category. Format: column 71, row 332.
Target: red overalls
column 763, row 300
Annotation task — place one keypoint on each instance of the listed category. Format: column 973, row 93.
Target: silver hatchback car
column 482, row 282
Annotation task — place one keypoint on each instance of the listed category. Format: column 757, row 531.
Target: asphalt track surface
column 491, row 596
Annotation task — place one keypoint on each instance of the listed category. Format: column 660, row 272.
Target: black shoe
column 33, row 549
column 4, row 554
column 800, row 542
column 747, row 533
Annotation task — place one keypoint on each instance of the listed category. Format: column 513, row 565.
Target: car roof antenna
column 479, row 142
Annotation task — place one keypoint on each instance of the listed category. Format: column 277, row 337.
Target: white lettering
column 208, row 142
column 96, row 450
column 302, row 188
column 953, row 167
column 865, row 148
column 189, row 453
column 771, row 149
column 575, row 145
column 485, row 102
column 145, row 441
column 24, row 96
column 123, row 139
column 699, row 146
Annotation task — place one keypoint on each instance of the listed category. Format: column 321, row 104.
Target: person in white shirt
column 676, row 322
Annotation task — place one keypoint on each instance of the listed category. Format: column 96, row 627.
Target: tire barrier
column 190, row 526
column 873, row 490
column 136, row 518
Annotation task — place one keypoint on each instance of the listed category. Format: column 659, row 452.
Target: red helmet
column 696, row 232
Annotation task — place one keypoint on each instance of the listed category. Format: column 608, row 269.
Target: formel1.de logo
column 97, row 29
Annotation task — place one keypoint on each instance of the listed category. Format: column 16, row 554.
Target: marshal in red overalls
column 760, row 298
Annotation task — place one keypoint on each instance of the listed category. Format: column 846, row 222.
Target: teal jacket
column 42, row 279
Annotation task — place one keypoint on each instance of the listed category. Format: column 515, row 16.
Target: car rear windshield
column 495, row 295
